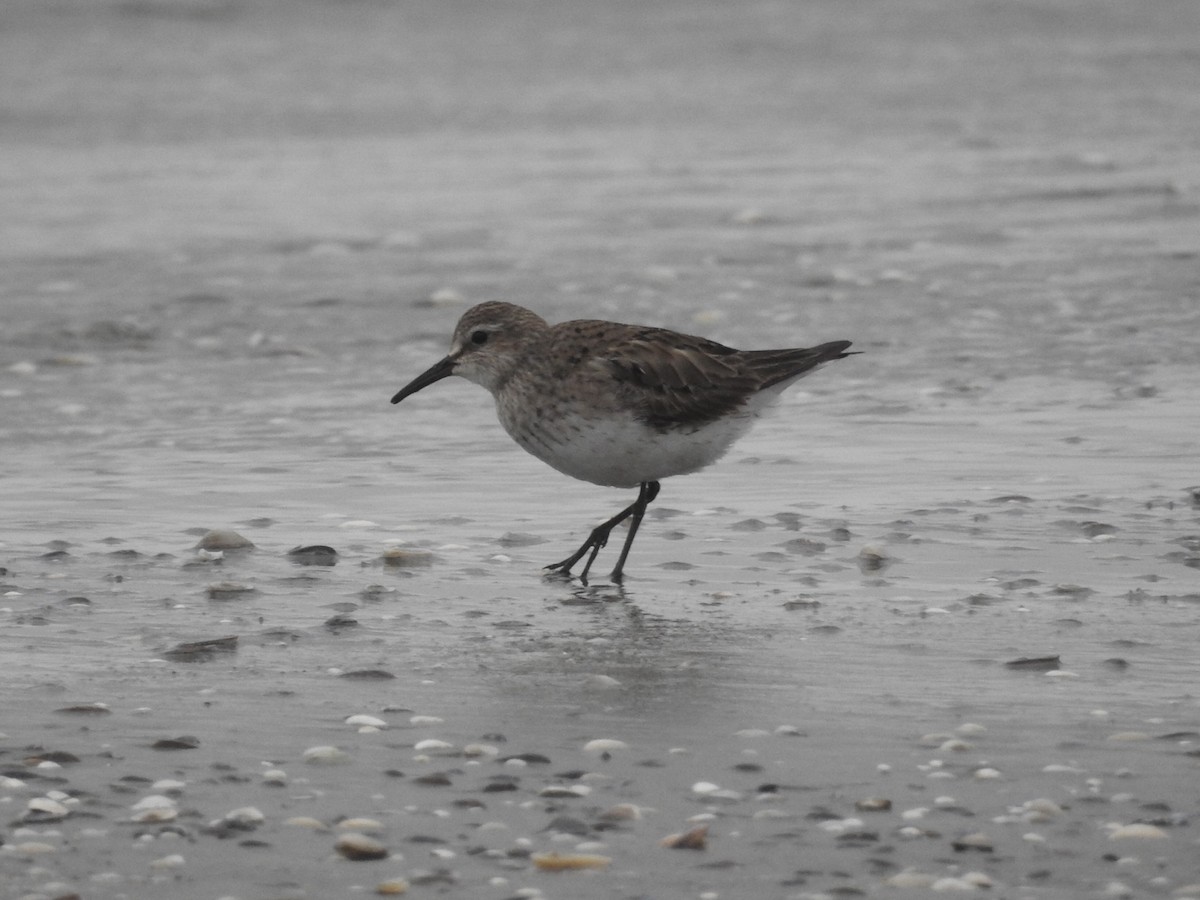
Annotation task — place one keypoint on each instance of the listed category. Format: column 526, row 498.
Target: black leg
column 645, row 497
column 596, row 540
column 599, row 536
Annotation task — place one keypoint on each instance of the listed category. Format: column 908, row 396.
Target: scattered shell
column 406, row 556
column 174, row 861
column 910, row 880
column 154, row 801
column 1040, row 810
column 201, row 651
column 443, row 296
column 365, row 720
column 86, row 709
column 305, row 822
column 1034, row 663
column 692, row 839
column 220, row 539
column 751, row 216
column 359, row 847
column 433, row 745
column 477, row 750
column 565, row 791
column 433, row 779
column 752, row 733
column 183, row 742
column 622, row 812
column 360, row 823
column 954, row 745
column 43, row 809
column 975, row 841
column 228, row 590
column 154, row 816
column 315, row 555
column 326, row 756
column 946, row 885
column 873, row 804
column 567, row 862
column 392, row 887
column 1137, row 831
column 873, row 559
column 604, row 746
column 244, row 817
column 1129, row 736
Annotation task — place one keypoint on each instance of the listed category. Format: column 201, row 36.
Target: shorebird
column 617, row 405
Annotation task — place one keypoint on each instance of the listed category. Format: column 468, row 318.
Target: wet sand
column 232, row 230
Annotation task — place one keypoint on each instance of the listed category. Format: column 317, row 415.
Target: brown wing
column 774, row 366
column 675, row 379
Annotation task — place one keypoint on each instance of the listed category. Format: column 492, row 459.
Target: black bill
column 435, row 373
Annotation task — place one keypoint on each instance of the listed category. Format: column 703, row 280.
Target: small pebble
column 359, row 847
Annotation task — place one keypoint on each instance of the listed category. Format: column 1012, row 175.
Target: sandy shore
column 233, row 229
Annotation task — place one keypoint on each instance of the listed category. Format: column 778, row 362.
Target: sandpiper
column 617, row 405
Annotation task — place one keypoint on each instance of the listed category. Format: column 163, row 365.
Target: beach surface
column 930, row 628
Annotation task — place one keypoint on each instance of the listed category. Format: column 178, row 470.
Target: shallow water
column 214, row 284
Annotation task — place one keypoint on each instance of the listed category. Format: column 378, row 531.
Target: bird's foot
column 592, row 546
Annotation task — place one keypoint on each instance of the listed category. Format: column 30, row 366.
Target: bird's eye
column 479, row 337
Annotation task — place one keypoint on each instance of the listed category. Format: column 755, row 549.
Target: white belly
column 618, row 451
